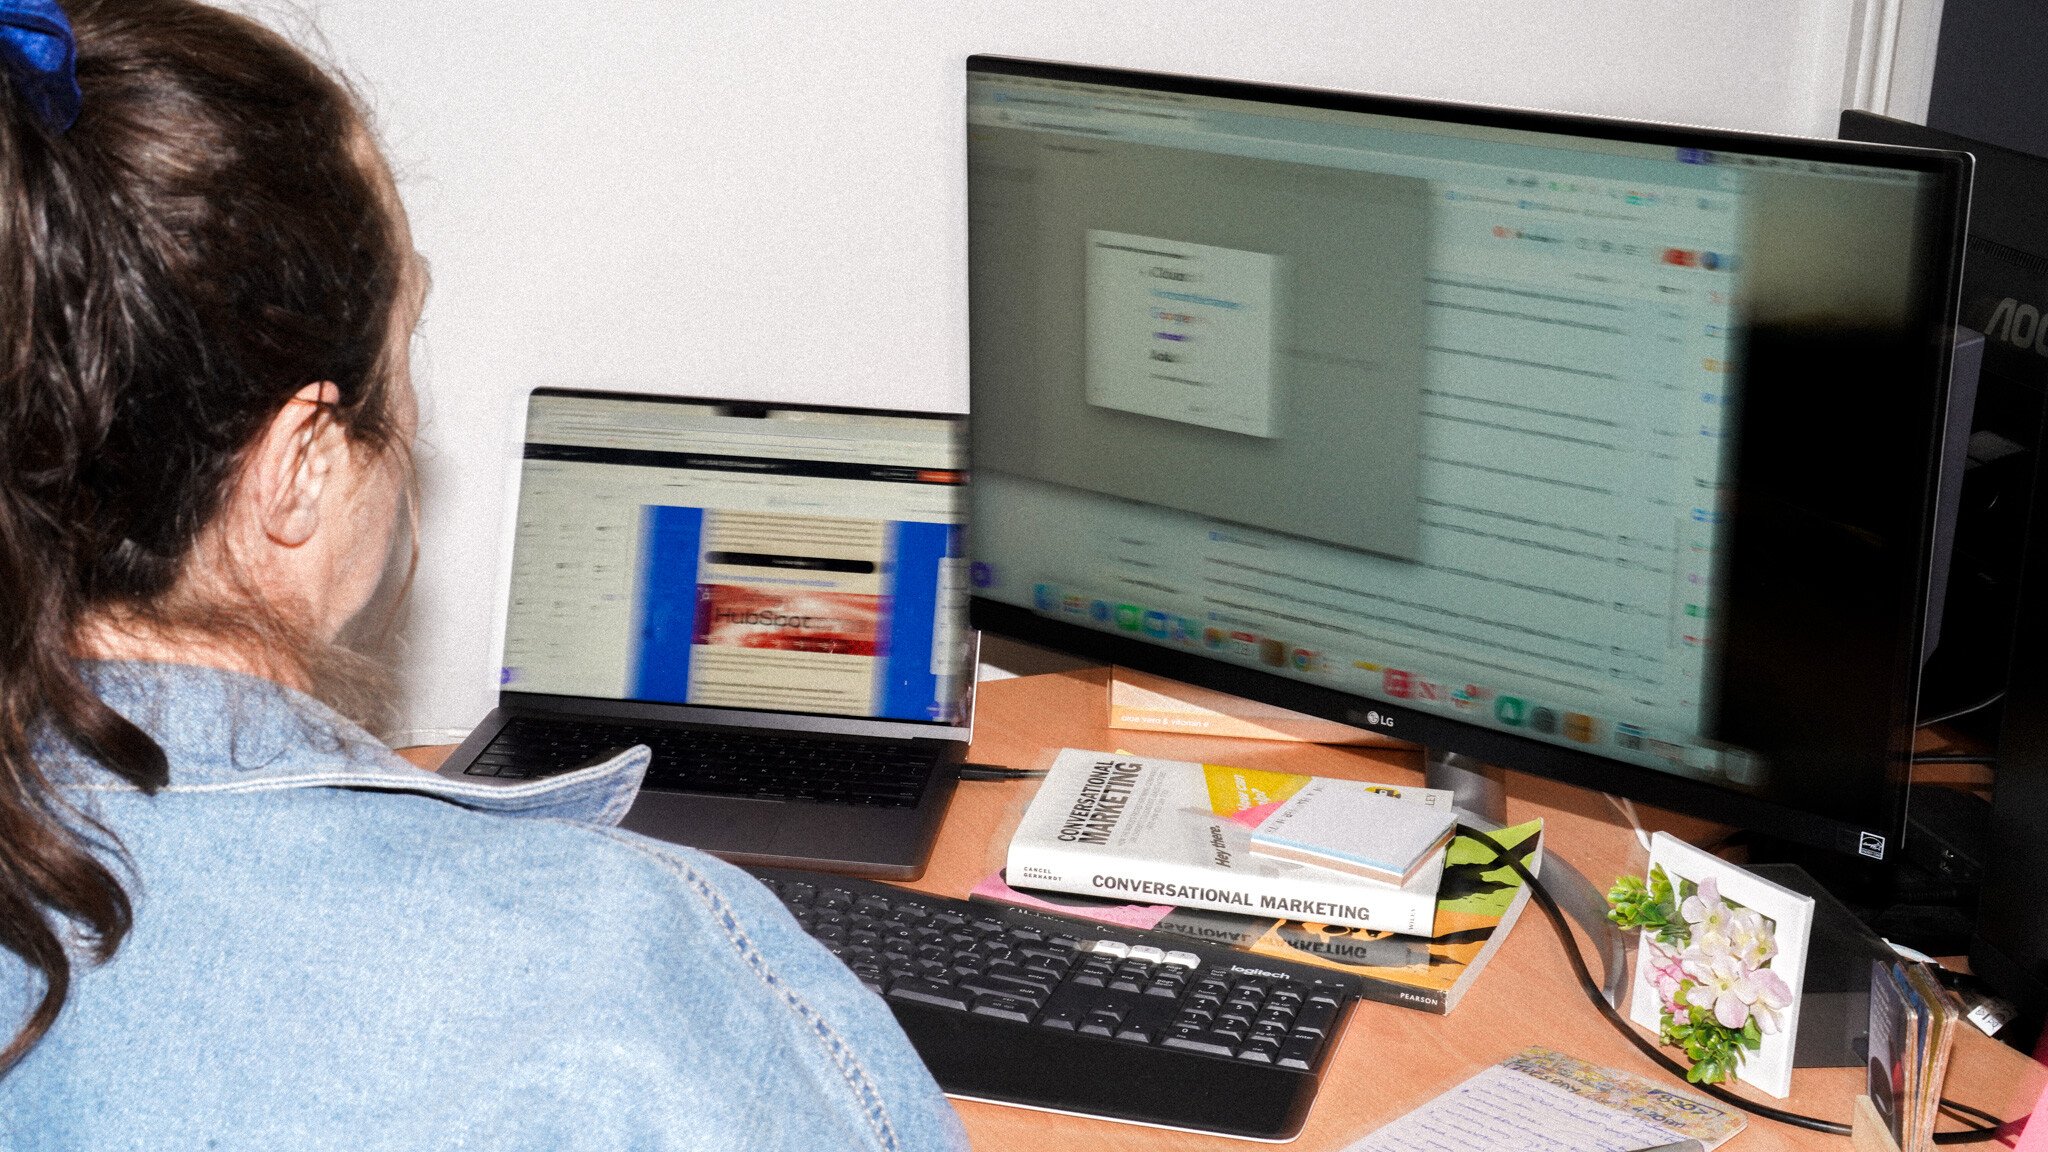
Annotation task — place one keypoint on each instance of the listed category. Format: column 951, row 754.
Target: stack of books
column 1366, row 878
column 1912, row 1028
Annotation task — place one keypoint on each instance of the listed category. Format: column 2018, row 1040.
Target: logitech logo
column 2018, row 325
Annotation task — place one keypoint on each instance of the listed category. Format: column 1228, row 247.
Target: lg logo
column 1379, row 721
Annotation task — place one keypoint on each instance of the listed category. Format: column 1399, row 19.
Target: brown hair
column 210, row 236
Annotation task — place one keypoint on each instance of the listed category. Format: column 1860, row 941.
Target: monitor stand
column 1479, row 794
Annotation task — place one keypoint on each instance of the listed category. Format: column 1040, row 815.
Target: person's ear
column 294, row 462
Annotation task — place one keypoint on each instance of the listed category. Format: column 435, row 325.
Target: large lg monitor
column 1600, row 450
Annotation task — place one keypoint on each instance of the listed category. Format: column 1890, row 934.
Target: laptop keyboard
column 720, row 761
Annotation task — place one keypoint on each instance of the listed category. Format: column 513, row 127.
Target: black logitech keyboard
column 1016, row 1007
column 720, row 761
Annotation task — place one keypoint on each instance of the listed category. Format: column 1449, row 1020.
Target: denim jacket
column 335, row 950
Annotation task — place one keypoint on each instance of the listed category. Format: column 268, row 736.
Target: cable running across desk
column 1592, row 990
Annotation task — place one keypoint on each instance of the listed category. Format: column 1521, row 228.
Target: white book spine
column 1357, row 905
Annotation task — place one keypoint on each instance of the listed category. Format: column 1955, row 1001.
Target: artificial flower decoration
column 1709, row 962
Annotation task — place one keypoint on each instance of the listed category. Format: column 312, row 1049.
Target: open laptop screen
column 779, row 559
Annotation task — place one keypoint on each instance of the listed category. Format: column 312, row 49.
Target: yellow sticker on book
column 1236, row 790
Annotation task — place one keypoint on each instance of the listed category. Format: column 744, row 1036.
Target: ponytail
column 205, row 239
column 47, row 428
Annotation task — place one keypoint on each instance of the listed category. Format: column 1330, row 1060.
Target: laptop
column 771, row 597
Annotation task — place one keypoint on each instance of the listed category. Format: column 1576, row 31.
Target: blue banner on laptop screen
column 793, row 560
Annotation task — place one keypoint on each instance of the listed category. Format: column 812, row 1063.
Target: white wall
column 764, row 198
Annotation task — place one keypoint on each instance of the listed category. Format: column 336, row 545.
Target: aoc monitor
column 1601, row 450
column 2002, row 548
column 2003, row 294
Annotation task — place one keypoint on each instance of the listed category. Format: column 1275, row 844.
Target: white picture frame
column 1769, row 1068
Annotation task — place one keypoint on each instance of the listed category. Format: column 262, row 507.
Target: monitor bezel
column 1947, row 204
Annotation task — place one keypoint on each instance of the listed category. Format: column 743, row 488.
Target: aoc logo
column 2018, row 325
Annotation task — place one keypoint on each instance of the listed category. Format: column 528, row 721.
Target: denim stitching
column 842, row 1054
column 424, row 783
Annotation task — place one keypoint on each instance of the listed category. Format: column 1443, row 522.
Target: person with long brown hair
column 229, row 918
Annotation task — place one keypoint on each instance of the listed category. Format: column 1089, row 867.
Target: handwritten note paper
column 1544, row 1101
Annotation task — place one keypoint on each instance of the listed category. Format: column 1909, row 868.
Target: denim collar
column 225, row 732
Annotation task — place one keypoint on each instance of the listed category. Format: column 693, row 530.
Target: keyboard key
column 1299, row 1053
column 1260, row 1048
column 927, row 992
column 1007, row 986
column 1221, row 1035
column 1198, row 1044
column 1100, row 1023
column 1005, row 1008
column 1146, row 1022
column 1285, row 1017
column 1315, row 1018
column 1092, row 976
column 1068, row 1018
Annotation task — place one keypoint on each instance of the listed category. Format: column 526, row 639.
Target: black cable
column 1592, row 990
column 1985, row 758
column 1960, row 1110
column 1979, row 706
column 996, row 772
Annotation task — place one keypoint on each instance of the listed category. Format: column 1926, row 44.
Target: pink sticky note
column 1252, row 817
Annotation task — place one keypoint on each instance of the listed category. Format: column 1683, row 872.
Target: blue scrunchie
column 41, row 59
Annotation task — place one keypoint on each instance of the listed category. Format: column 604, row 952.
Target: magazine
column 1541, row 1100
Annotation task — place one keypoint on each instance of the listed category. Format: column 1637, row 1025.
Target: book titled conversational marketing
column 1175, row 832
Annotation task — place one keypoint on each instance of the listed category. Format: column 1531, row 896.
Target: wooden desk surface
column 1389, row 1059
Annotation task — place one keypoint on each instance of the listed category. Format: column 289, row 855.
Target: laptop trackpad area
column 713, row 823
